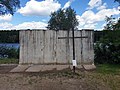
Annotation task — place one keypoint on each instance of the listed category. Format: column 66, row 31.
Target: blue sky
column 34, row 14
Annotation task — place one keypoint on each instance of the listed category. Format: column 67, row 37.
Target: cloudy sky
column 34, row 14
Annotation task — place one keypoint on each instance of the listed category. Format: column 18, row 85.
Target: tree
column 116, row 26
column 9, row 6
column 117, row 1
column 107, row 49
column 111, row 24
column 63, row 19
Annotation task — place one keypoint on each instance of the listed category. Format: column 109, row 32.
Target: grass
column 108, row 69
column 8, row 61
column 107, row 74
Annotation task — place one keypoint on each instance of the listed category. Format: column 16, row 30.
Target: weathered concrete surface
column 62, row 67
column 89, row 67
column 20, row 68
column 39, row 68
column 34, row 68
column 44, row 47
column 48, row 68
column 44, row 68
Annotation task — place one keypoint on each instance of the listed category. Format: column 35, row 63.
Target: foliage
column 98, row 35
column 9, row 6
column 9, row 36
column 8, row 52
column 116, row 26
column 111, row 24
column 107, row 50
column 63, row 19
column 117, row 1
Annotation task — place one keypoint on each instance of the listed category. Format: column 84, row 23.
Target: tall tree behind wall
column 63, row 19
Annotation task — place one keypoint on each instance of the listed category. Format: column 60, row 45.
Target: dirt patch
column 48, row 82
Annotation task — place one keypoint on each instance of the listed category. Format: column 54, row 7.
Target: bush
column 9, row 52
column 107, row 50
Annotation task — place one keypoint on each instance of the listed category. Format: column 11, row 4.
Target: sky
column 35, row 14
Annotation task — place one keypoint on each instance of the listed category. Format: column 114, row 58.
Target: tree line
column 9, row 36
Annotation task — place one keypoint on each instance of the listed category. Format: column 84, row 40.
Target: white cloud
column 90, row 26
column 31, row 25
column 5, row 26
column 107, row 12
column 36, row 8
column 88, row 16
column 104, row 6
column 98, row 4
column 89, row 19
column 94, row 3
column 6, row 17
column 80, row 20
column 25, row 25
column 67, row 4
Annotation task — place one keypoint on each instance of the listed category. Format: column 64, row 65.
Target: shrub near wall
column 107, row 50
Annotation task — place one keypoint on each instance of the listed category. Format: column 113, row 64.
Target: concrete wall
column 44, row 47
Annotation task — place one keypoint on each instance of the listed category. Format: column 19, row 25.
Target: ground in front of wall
column 62, row 80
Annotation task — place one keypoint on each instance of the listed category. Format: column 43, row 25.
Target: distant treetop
column 63, row 19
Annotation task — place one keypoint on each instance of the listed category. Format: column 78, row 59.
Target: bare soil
column 63, row 80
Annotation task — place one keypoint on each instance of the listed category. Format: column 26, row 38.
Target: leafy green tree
column 111, row 24
column 9, row 6
column 116, row 26
column 63, row 19
column 107, row 49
